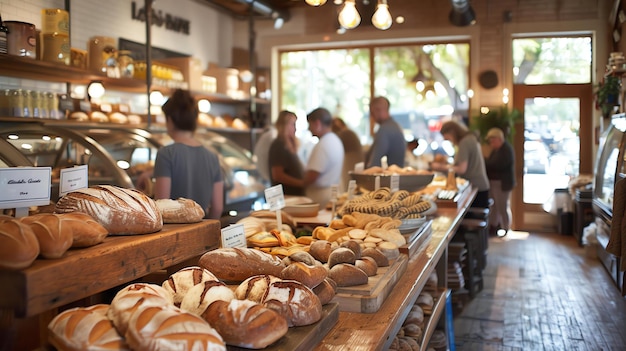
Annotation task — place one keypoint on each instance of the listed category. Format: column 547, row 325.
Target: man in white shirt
column 325, row 164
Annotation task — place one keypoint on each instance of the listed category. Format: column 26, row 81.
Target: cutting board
column 416, row 239
column 367, row 298
column 305, row 337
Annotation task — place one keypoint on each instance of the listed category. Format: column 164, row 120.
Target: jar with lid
column 18, row 103
column 126, row 63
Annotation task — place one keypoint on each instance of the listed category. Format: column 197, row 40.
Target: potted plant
column 503, row 118
column 607, row 95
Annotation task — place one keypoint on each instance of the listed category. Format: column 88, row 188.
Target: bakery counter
column 375, row 331
column 81, row 273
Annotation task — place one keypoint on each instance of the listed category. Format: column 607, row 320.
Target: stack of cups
column 55, row 36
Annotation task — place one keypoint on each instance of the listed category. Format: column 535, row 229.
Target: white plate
column 408, row 226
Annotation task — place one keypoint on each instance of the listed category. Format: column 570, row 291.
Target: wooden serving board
column 415, row 240
column 367, row 298
column 305, row 337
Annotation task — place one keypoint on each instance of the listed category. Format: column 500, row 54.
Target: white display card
column 73, row 178
column 234, row 236
column 275, row 198
column 24, row 186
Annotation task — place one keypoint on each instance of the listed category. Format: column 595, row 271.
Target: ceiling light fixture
column 349, row 17
column 382, row 18
column 462, row 14
column 315, row 2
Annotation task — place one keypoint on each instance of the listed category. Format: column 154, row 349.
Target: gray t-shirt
column 469, row 150
column 388, row 141
column 193, row 170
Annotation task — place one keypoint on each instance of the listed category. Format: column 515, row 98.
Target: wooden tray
column 368, row 298
column 417, row 238
column 306, row 337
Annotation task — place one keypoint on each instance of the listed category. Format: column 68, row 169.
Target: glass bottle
column 126, row 64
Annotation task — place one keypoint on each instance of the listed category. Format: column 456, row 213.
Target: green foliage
column 607, row 93
column 502, row 118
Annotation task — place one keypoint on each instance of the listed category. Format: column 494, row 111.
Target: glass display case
column 610, row 168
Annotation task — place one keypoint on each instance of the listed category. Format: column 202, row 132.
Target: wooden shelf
column 433, row 320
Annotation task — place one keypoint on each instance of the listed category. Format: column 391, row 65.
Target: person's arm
column 378, row 150
column 217, row 201
column 162, row 188
column 279, row 176
column 310, row 177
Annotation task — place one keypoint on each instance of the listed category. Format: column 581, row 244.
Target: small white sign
column 234, row 236
column 351, row 189
column 394, row 183
column 72, row 179
column 334, row 192
column 275, row 198
column 24, row 186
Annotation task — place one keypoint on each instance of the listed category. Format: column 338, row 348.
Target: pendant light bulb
column 349, row 17
column 315, row 2
column 382, row 18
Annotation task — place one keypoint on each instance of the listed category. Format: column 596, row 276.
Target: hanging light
column 315, row 2
column 349, row 17
column 95, row 90
column 382, row 18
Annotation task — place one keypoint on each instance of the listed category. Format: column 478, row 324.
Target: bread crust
column 237, row 264
column 19, row 246
column 181, row 210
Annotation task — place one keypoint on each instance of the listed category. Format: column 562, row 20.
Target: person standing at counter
column 389, row 139
column 284, row 163
column 501, row 173
column 325, row 164
column 469, row 162
column 352, row 147
column 186, row 168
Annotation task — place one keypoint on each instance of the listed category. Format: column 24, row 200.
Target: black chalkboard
column 138, row 51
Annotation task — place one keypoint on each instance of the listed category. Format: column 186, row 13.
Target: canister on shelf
column 22, row 39
column 102, row 53
column 55, row 21
column 56, row 48
column 126, row 64
column 18, row 103
column 5, row 103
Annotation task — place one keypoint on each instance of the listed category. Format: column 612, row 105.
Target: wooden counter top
column 375, row 331
column 81, row 273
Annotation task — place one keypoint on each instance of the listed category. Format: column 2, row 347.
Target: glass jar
column 126, row 64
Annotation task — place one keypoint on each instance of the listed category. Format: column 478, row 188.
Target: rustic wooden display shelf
column 80, row 273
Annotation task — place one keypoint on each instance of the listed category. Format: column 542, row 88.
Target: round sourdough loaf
column 295, row 301
column 180, row 210
column 85, row 328
column 133, row 298
column 255, row 287
column 181, row 281
column 345, row 274
column 309, row 275
column 237, row 264
column 19, row 246
column 119, row 210
column 157, row 328
column 202, row 295
column 326, row 290
column 245, row 323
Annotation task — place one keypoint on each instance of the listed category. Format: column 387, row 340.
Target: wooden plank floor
column 542, row 293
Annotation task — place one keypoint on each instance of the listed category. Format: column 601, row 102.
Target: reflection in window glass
column 552, row 60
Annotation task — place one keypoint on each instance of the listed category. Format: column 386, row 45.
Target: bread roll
column 85, row 230
column 347, row 275
column 119, row 210
column 377, row 255
column 180, row 210
column 237, row 264
column 300, row 256
column 99, row 117
column 133, row 298
column 354, row 246
column 202, row 295
column 134, row 119
column 180, row 282
column 244, row 323
column 254, row 288
column 79, row 116
column 54, row 240
column 118, row 117
column 341, row 255
column 170, row 328
column 321, row 250
column 326, row 290
column 368, row 265
column 293, row 300
column 309, row 275
column 19, row 246
column 85, row 328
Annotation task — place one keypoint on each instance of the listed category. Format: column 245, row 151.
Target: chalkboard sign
column 138, row 51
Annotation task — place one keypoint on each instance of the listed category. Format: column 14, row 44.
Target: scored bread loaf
column 255, row 287
column 237, row 264
column 133, row 298
column 85, row 328
column 309, row 275
column 19, row 246
column 294, row 301
column 181, row 210
column 245, row 323
column 202, row 295
column 181, row 281
column 54, row 239
column 119, row 210
column 170, row 328
column 326, row 290
column 86, row 231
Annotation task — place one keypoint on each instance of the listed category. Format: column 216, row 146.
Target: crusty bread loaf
column 85, row 328
column 345, row 274
column 293, row 300
column 133, row 298
column 309, row 275
column 245, row 323
column 19, row 246
column 326, row 290
column 170, row 328
column 119, row 210
column 300, row 256
column 341, row 255
column 377, row 255
column 237, row 264
column 180, row 210
column 181, row 281
column 80, row 227
column 368, row 265
column 354, row 246
column 321, row 250
column 255, row 287
column 54, row 240
column 202, row 295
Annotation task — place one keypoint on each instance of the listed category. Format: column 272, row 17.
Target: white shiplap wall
column 210, row 36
